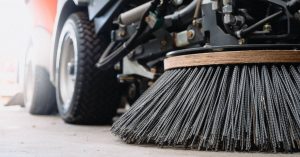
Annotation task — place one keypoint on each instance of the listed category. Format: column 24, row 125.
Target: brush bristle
column 232, row 108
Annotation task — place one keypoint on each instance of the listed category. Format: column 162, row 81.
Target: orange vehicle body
column 43, row 13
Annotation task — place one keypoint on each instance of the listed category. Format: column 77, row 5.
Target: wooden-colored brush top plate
column 233, row 57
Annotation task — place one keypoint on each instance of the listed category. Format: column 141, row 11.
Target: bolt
column 267, row 28
column 191, row 34
column 122, row 33
column 242, row 41
column 117, row 67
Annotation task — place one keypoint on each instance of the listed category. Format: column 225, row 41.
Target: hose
column 107, row 60
column 181, row 16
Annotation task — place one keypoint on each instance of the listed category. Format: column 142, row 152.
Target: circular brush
column 231, row 101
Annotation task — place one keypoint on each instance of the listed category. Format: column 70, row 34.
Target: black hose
column 183, row 15
column 107, row 60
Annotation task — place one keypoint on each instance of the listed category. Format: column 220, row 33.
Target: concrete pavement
column 23, row 135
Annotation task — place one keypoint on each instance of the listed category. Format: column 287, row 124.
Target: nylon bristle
column 229, row 108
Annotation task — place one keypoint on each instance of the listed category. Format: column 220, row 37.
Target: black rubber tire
column 42, row 95
column 96, row 95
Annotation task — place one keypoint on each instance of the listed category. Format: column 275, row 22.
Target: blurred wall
column 15, row 28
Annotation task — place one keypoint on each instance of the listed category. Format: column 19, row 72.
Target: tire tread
column 96, row 96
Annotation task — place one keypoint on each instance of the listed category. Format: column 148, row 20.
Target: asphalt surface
column 23, row 135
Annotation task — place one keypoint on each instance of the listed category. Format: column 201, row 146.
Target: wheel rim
column 67, row 71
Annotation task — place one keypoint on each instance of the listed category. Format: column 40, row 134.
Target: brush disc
column 233, row 105
column 233, row 57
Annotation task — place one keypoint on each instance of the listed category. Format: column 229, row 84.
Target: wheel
column 84, row 94
column 39, row 93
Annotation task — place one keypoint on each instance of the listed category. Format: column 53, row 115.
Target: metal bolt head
column 267, row 28
column 117, row 67
column 122, row 33
column 242, row 41
column 191, row 34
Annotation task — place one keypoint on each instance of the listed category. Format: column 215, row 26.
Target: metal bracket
column 133, row 67
column 105, row 17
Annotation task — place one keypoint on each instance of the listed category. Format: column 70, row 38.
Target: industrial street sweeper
column 222, row 74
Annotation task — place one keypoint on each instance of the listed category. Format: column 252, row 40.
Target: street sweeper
column 223, row 74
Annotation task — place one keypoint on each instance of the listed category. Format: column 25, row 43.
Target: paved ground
column 23, row 135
